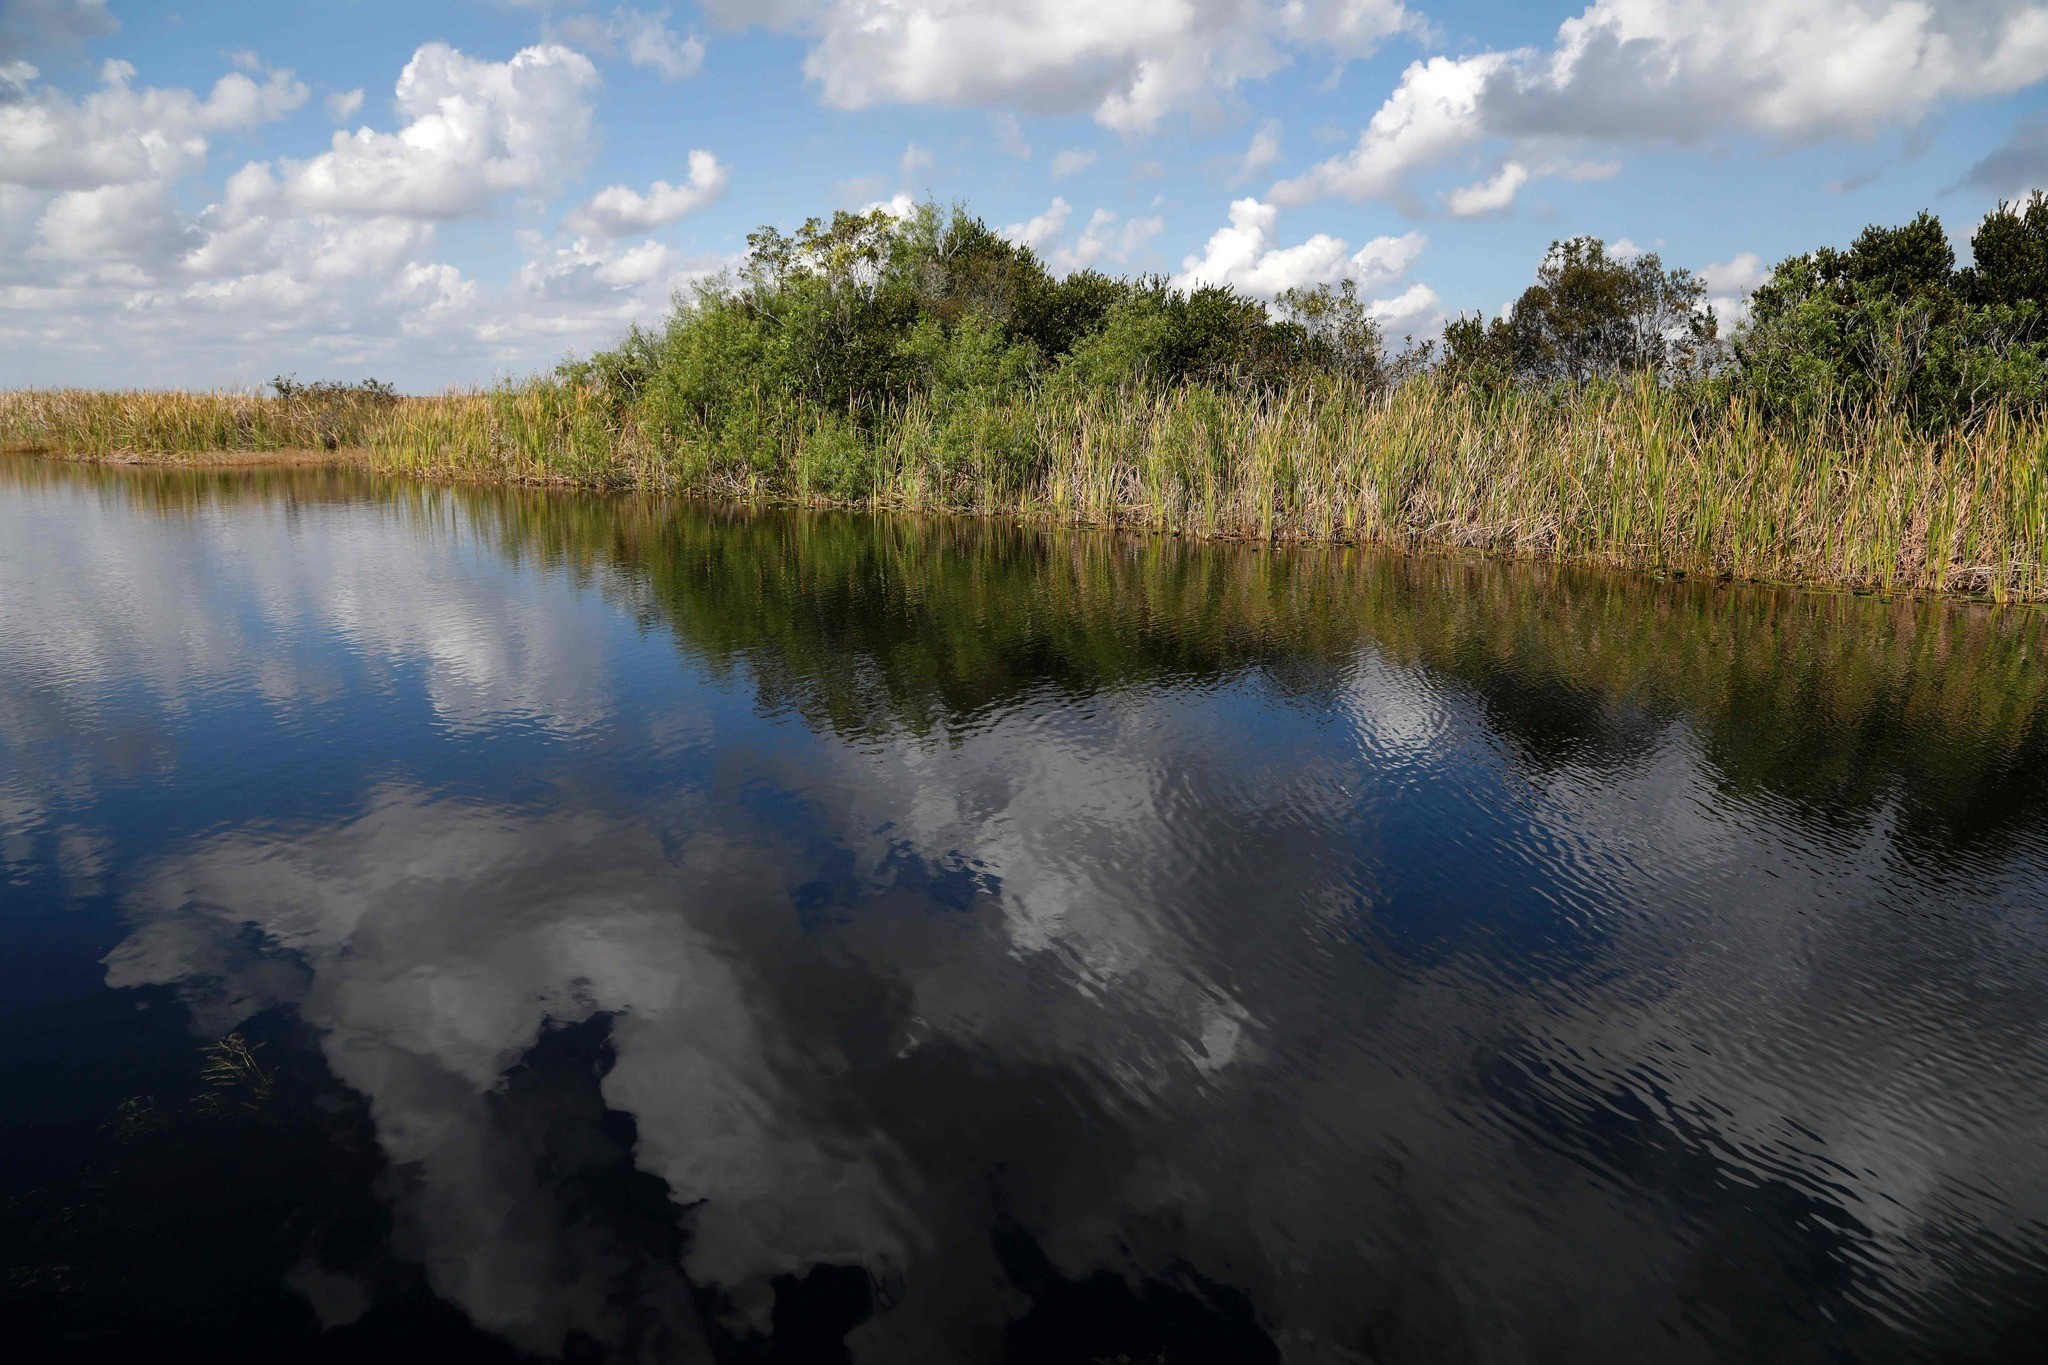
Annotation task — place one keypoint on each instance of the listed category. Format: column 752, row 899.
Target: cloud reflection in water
column 1396, row 960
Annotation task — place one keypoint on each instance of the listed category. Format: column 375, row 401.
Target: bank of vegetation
column 1879, row 419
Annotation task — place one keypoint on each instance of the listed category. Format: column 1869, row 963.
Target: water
column 663, row 934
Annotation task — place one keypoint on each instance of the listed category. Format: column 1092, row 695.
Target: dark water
column 660, row 934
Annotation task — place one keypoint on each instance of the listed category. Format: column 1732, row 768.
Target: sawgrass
column 1633, row 475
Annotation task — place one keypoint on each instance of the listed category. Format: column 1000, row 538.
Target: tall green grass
column 1632, row 475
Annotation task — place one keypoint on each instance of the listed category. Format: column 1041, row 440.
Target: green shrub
column 1890, row 325
column 836, row 461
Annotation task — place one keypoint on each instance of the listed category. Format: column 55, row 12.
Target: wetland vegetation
column 1878, row 420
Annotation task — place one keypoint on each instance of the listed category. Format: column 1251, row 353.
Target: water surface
column 666, row 934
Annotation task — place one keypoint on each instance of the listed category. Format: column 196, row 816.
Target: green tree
column 1591, row 315
column 1891, row 325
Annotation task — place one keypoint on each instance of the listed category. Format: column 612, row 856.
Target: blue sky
column 446, row 193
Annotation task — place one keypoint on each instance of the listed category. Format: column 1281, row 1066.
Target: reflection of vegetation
column 136, row 1116
column 232, row 1069
column 867, row 622
column 862, row 622
column 110, row 1243
column 176, row 489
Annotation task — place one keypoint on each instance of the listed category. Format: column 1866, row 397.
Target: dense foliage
column 1891, row 324
column 831, row 332
column 1591, row 315
column 828, row 331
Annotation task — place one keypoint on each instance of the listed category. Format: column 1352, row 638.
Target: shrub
column 1890, row 325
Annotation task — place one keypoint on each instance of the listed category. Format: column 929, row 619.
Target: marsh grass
column 1633, row 475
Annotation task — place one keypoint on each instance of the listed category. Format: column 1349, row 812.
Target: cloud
column 1245, row 255
column 2020, row 164
column 643, row 39
column 1434, row 110
column 581, row 271
column 426, row 1021
column 113, row 222
column 33, row 26
column 1488, row 196
column 1105, row 238
column 1010, row 136
column 1137, row 232
column 299, row 261
column 1128, row 65
column 475, row 130
column 1581, row 172
column 1072, row 161
column 580, row 295
column 343, row 105
column 913, row 160
column 1676, row 71
column 618, row 210
column 859, row 190
column 1262, row 155
column 1416, row 303
column 119, row 135
column 1730, row 283
column 1740, row 274
column 898, row 205
column 1039, row 232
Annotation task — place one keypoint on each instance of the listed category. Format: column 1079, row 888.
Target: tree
column 1891, row 325
column 1338, row 332
column 1591, row 315
column 2010, row 256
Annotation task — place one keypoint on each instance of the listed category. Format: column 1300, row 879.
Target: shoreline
column 365, row 460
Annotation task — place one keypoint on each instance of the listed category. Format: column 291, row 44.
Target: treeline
column 827, row 331
column 1877, row 420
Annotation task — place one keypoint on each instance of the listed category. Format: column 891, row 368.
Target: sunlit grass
column 1631, row 475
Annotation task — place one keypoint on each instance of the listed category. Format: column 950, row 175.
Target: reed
column 1633, row 475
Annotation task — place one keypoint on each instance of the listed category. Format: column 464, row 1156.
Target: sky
column 437, row 194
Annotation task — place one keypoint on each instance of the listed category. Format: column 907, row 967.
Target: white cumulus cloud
column 1128, row 64
column 331, row 261
column 1246, row 255
column 1434, row 110
column 475, row 130
column 618, row 210
column 118, row 134
column 1040, row 231
column 1072, row 161
column 1415, row 304
column 344, row 105
column 1262, row 155
column 1675, row 71
column 1490, row 195
column 1730, row 283
column 1106, row 237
